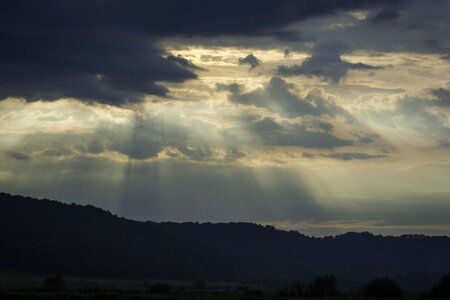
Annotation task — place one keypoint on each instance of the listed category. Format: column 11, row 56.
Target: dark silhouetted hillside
column 49, row 237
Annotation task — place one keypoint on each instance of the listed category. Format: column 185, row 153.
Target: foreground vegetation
column 321, row 287
column 133, row 295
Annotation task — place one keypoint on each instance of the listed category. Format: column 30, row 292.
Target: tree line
column 54, row 288
column 320, row 286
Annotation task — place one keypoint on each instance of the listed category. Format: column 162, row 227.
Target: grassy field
column 129, row 295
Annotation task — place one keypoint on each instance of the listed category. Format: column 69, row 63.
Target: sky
column 317, row 116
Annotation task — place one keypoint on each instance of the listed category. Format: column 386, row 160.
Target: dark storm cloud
column 96, row 67
column 277, row 96
column 325, row 62
column 250, row 60
column 406, row 26
column 173, row 17
column 272, row 133
column 345, row 155
column 105, row 52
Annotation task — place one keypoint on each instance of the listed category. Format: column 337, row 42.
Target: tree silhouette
column 160, row 288
column 322, row 286
column 383, row 287
column 318, row 287
column 53, row 283
column 198, row 284
column 102, row 296
column 442, row 288
column 296, row 289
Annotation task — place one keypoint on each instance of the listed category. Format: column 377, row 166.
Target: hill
column 49, row 237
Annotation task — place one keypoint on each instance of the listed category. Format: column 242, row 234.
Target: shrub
column 296, row 289
column 198, row 284
column 383, row 287
column 103, row 297
column 160, row 288
column 318, row 287
column 53, row 283
column 253, row 292
column 442, row 288
column 322, row 286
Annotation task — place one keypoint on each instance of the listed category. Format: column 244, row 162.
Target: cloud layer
column 108, row 53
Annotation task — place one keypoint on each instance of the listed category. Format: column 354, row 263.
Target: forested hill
column 49, row 237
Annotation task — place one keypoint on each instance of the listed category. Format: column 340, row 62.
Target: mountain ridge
column 48, row 237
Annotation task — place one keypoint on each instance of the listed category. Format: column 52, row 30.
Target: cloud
column 175, row 17
column 273, row 133
column 145, row 138
column 416, row 113
column 327, row 127
column 139, row 147
column 95, row 147
column 207, row 58
column 444, row 143
column 287, row 53
column 234, row 154
column 277, row 96
column 57, row 149
column 425, row 116
column 184, row 62
column 345, row 155
column 385, row 15
column 140, row 138
column 148, row 137
column 18, row 155
column 325, row 62
column 442, row 97
column 108, row 53
column 250, row 60
column 401, row 26
column 168, row 135
column 109, row 69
